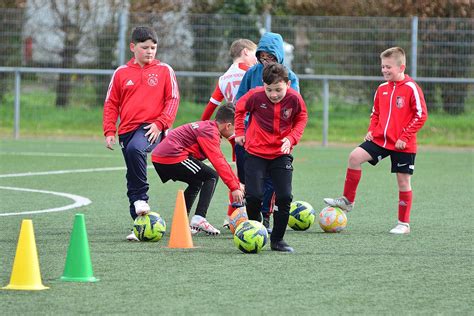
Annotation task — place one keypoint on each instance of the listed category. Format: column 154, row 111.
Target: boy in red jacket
column 179, row 158
column 398, row 114
column 278, row 117
column 144, row 95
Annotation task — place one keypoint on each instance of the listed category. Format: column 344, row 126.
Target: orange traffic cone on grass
column 26, row 271
column 180, row 236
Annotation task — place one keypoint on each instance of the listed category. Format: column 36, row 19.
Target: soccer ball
column 149, row 227
column 302, row 215
column 250, row 236
column 332, row 219
column 237, row 217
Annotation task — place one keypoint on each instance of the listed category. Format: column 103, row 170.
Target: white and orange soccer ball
column 332, row 219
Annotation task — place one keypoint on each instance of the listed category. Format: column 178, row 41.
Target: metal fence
column 341, row 50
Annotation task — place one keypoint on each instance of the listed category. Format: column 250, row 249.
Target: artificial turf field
column 363, row 270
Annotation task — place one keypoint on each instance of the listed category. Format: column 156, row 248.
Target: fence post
column 268, row 21
column 123, row 26
column 414, row 46
column 16, row 131
column 325, row 111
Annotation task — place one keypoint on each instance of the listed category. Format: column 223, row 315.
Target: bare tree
column 65, row 35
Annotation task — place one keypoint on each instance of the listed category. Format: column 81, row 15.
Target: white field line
column 78, row 201
column 46, row 154
column 47, row 173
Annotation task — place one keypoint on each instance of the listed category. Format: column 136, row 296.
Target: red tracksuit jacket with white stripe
column 270, row 122
column 399, row 112
column 141, row 95
column 200, row 140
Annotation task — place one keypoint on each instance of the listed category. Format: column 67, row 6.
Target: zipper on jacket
column 389, row 115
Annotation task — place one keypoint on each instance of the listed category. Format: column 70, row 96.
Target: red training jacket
column 399, row 112
column 141, row 95
column 269, row 123
column 200, row 140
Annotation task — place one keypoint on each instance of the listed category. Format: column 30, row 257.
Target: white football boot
column 341, row 202
column 141, row 207
column 199, row 223
column 132, row 237
column 401, row 228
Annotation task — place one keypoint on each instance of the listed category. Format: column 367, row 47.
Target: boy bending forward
column 179, row 158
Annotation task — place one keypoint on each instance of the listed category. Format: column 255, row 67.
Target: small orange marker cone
column 180, row 236
column 26, row 271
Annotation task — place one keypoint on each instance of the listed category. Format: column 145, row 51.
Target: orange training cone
column 26, row 271
column 180, row 236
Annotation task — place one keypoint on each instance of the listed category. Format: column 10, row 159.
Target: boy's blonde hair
column 396, row 53
column 238, row 46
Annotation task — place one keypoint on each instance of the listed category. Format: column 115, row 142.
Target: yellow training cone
column 26, row 272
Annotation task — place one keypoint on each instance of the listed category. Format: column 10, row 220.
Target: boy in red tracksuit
column 398, row 113
column 179, row 158
column 144, row 96
column 278, row 117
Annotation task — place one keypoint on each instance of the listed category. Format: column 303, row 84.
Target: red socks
column 404, row 206
column 352, row 181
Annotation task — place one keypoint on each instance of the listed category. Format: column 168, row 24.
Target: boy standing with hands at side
column 398, row 113
column 278, row 117
column 144, row 96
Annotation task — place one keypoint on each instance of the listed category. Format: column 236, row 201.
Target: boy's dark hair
column 225, row 113
column 141, row 34
column 275, row 73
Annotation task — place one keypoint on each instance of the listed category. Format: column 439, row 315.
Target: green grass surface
column 363, row 270
column 347, row 124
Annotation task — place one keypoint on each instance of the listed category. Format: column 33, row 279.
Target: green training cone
column 78, row 266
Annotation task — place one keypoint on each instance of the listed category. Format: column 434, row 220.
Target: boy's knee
column 284, row 201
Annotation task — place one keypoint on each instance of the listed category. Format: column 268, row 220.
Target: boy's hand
column 110, row 142
column 286, row 146
column 153, row 132
column 237, row 196
column 400, row 144
column 240, row 140
column 368, row 137
column 242, row 187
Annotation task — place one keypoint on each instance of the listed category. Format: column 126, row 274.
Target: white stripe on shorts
column 191, row 165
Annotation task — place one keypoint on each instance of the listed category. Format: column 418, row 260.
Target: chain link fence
column 439, row 55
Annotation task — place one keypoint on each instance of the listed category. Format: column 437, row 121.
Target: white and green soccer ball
column 250, row 236
column 149, row 227
column 302, row 215
column 332, row 219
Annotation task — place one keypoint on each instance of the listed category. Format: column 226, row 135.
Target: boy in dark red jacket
column 144, row 96
column 278, row 117
column 398, row 114
column 179, row 158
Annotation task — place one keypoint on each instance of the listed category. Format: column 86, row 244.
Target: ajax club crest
column 152, row 79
